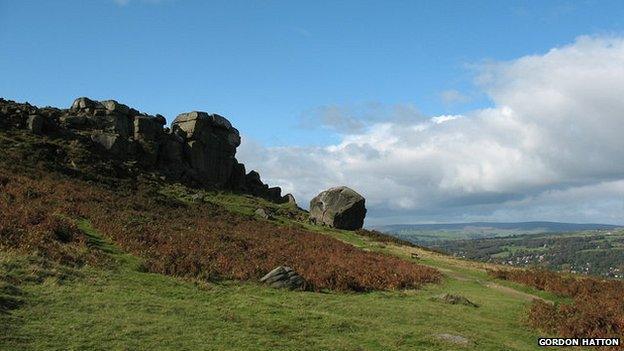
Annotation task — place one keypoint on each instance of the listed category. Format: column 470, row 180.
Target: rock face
column 35, row 124
column 119, row 129
column 284, row 277
column 338, row 207
column 210, row 142
column 198, row 148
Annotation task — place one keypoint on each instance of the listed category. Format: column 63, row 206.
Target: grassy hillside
column 96, row 257
column 120, row 306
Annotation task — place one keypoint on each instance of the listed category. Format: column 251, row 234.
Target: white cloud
column 555, row 127
column 444, row 118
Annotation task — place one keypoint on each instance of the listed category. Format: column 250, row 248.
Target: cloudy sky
column 435, row 112
column 550, row 146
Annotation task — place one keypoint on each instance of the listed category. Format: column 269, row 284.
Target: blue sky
column 268, row 64
column 437, row 111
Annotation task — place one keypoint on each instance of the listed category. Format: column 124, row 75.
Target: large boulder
column 83, row 103
column 204, row 127
column 210, row 145
column 289, row 199
column 113, row 107
column 338, row 207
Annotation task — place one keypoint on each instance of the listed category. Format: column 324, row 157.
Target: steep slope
column 98, row 252
column 148, row 216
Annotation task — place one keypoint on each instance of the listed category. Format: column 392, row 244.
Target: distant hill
column 430, row 233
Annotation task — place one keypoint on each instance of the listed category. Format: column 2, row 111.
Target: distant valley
column 593, row 252
column 428, row 234
column 591, row 249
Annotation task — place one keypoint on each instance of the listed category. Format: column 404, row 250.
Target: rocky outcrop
column 289, row 199
column 210, row 142
column 255, row 186
column 199, row 147
column 107, row 116
column 284, row 277
column 27, row 116
column 338, row 207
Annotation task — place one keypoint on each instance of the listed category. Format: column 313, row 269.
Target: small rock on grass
column 455, row 300
column 453, row 339
column 283, row 277
column 262, row 214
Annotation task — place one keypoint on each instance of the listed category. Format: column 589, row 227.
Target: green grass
column 454, row 268
column 240, row 204
column 139, row 311
column 124, row 308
